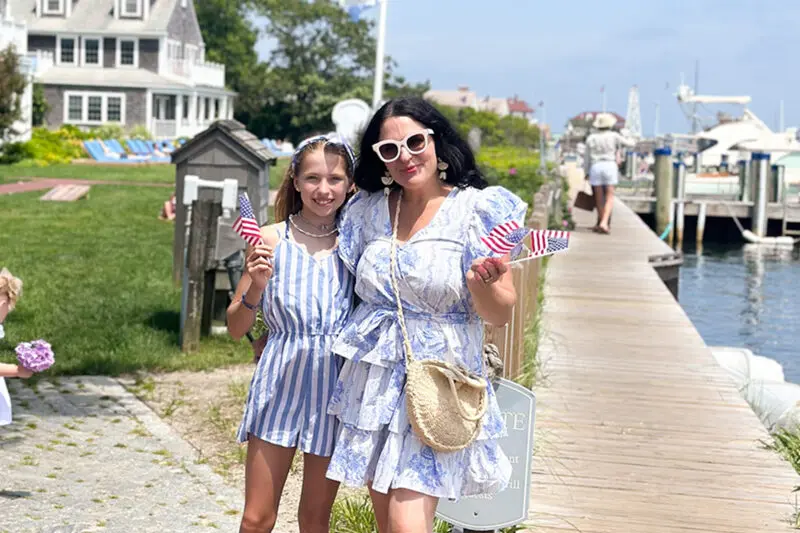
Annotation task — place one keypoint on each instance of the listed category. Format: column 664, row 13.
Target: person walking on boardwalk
column 306, row 294
column 412, row 235
column 602, row 146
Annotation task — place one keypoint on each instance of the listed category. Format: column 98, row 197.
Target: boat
column 761, row 382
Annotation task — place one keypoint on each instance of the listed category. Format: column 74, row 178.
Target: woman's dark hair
column 462, row 170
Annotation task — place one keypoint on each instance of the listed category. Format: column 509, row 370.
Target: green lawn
column 132, row 174
column 97, row 283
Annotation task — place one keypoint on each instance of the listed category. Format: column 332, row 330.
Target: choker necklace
column 315, row 235
column 323, row 227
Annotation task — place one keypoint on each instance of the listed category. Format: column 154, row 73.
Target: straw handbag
column 445, row 402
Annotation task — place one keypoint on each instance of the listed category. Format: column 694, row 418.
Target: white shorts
column 604, row 173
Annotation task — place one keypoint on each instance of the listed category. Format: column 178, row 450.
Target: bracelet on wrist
column 247, row 305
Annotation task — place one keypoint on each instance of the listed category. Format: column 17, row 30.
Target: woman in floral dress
column 449, row 282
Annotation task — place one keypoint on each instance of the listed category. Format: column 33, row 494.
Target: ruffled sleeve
column 493, row 206
column 352, row 235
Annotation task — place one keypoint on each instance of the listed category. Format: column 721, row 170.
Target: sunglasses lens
column 388, row 151
column 416, row 143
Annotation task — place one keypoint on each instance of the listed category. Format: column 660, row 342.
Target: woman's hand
column 492, row 289
column 485, row 271
column 259, row 267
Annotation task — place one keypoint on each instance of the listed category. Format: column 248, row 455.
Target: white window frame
column 191, row 53
column 174, row 49
column 100, row 60
column 76, row 51
column 84, row 95
column 135, row 42
column 47, row 11
column 125, row 13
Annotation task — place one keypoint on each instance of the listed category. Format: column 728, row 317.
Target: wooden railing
column 510, row 339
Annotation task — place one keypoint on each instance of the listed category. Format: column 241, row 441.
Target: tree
column 495, row 130
column 40, row 105
column 230, row 38
column 12, row 87
column 320, row 57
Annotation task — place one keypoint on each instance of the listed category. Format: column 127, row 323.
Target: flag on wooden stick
column 246, row 224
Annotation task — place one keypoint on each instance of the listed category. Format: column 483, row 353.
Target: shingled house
column 126, row 62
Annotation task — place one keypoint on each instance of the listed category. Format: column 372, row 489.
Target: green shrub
column 516, row 169
column 140, row 132
column 14, row 153
column 107, row 131
column 51, row 147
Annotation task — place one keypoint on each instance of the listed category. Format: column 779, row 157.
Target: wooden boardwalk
column 637, row 428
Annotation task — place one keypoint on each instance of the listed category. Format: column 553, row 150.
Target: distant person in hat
column 602, row 145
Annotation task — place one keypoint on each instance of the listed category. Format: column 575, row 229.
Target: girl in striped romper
column 305, row 293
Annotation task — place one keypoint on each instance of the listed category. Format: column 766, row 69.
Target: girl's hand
column 259, row 267
column 23, row 372
column 485, row 271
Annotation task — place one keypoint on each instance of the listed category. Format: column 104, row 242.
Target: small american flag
column 505, row 237
column 548, row 241
column 246, row 224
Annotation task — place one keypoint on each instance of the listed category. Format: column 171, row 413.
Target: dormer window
column 53, row 7
column 131, row 8
column 66, row 51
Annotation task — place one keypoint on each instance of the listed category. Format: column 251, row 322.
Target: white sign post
column 509, row 507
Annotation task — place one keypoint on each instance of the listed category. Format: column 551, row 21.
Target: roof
column 234, row 130
column 495, row 105
column 104, row 77
column 95, row 16
column 459, row 98
column 515, row 105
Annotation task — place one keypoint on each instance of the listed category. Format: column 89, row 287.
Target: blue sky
column 562, row 52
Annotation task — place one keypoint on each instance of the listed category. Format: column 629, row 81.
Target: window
column 92, row 51
column 53, row 7
column 66, row 51
column 174, row 50
column 191, row 54
column 186, row 108
column 75, row 109
column 216, row 108
column 131, row 8
column 208, row 108
column 94, row 107
column 114, row 109
column 128, row 53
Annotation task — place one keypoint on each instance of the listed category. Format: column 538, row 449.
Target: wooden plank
column 204, row 217
column 638, row 428
column 66, row 193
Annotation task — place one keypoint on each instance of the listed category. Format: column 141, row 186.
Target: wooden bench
column 66, row 193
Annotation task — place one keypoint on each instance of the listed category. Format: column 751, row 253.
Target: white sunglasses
column 414, row 143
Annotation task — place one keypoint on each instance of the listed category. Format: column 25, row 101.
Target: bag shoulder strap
column 395, row 288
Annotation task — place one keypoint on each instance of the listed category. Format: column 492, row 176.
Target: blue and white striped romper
column 306, row 303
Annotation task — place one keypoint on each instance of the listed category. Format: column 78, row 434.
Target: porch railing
column 165, row 128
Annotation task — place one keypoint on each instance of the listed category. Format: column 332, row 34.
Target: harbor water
column 746, row 296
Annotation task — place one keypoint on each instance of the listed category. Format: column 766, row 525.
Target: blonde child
column 10, row 290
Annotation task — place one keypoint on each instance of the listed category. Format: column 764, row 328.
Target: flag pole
column 377, row 91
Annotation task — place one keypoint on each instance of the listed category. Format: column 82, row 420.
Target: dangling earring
column 387, row 179
column 442, row 166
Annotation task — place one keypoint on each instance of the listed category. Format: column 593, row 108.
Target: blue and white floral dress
column 376, row 443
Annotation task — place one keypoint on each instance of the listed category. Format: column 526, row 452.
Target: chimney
column 463, row 88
